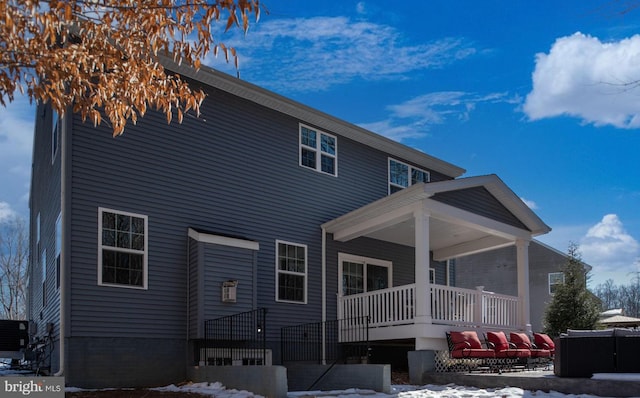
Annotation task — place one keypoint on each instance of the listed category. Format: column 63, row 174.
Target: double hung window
column 55, row 134
column 555, row 279
column 122, row 249
column 402, row 175
column 318, row 150
column 291, row 272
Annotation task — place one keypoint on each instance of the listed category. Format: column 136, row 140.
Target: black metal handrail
column 332, row 341
column 238, row 339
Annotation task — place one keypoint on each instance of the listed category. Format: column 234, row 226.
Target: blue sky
column 535, row 92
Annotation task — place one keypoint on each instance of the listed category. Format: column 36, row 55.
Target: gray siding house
column 496, row 271
column 313, row 218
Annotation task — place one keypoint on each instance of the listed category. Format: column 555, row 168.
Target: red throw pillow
column 521, row 340
column 541, row 339
column 462, row 340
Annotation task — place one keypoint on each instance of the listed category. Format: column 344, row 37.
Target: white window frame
column 352, row 258
column 38, row 228
column 145, row 253
column 410, row 168
column 304, row 274
column 450, row 262
column 318, row 150
column 55, row 134
column 549, row 280
column 43, row 263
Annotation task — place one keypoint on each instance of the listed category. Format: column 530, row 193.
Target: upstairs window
column 291, row 272
column 555, row 279
column 122, row 249
column 402, row 175
column 318, row 150
column 55, row 133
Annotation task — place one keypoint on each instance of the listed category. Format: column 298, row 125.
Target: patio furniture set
column 499, row 354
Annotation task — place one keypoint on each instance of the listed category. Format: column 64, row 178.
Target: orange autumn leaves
column 100, row 57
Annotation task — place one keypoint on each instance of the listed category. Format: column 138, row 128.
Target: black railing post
column 323, row 342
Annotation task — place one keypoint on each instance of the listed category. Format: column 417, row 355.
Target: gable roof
column 500, row 191
column 269, row 99
column 455, row 230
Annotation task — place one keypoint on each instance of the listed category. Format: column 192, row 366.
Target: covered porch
column 441, row 221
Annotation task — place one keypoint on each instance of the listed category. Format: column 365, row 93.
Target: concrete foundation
column 420, row 362
column 268, row 381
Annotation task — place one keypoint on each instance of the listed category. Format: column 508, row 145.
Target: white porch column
column 522, row 258
column 423, row 289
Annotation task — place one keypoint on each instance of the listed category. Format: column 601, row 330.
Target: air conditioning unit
column 235, row 357
column 229, row 291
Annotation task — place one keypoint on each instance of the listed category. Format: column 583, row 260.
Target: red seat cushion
column 513, row 353
column 501, row 346
column 473, row 353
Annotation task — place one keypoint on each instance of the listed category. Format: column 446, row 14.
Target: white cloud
column 314, row 54
column 16, row 136
column 397, row 133
column 6, row 212
column 412, row 118
column 584, row 77
column 609, row 248
column 530, row 203
column 16, row 128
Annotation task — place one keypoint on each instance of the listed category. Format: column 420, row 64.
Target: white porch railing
column 449, row 306
column 384, row 307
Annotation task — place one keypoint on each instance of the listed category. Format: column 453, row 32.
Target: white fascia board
column 223, row 240
column 396, row 203
column 373, row 224
column 312, row 116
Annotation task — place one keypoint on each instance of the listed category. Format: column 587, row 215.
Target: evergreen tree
column 573, row 305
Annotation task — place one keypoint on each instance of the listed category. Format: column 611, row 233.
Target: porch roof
column 458, row 226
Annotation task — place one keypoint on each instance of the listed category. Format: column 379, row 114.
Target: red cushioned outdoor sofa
column 467, row 345
column 499, row 343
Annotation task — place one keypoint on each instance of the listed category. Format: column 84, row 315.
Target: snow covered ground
column 398, row 391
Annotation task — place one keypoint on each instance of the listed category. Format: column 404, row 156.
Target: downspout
column 324, row 293
column 63, row 244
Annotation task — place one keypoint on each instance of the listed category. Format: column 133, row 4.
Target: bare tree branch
column 13, row 268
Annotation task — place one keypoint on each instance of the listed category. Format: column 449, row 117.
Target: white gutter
column 324, row 292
